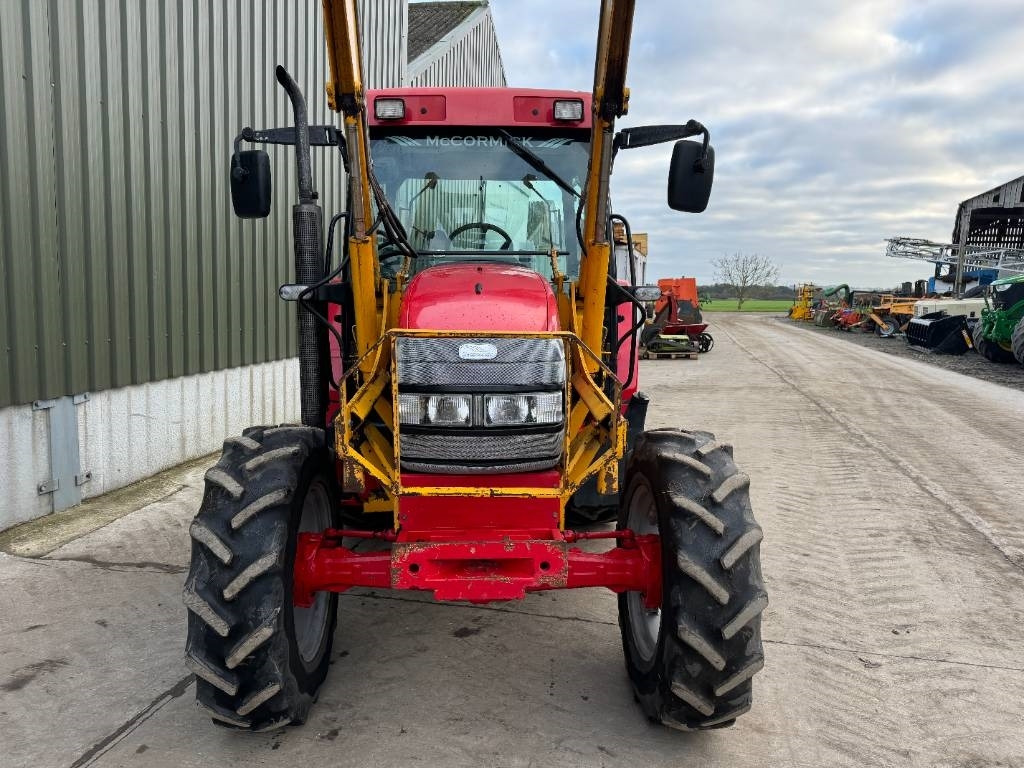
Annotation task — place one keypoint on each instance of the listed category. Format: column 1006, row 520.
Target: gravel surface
column 969, row 364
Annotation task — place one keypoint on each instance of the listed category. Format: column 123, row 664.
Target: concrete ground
column 970, row 363
column 889, row 492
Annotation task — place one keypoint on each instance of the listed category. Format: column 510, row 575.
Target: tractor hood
column 1012, row 280
column 479, row 296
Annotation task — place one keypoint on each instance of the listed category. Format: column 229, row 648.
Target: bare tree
column 743, row 271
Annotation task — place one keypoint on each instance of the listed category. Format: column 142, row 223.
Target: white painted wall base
column 128, row 434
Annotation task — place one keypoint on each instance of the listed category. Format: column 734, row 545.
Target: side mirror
column 250, row 184
column 690, row 176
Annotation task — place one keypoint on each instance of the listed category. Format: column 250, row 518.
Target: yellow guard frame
column 596, row 431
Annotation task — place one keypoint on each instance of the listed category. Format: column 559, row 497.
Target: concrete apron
column 889, row 638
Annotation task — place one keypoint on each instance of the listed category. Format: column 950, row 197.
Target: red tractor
column 468, row 375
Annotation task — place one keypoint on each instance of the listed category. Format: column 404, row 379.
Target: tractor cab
column 482, row 175
column 1007, row 292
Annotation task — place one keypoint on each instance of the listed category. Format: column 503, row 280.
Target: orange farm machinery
column 677, row 325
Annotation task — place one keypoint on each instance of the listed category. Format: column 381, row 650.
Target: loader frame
column 596, row 424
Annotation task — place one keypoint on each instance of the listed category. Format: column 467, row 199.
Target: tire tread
column 237, row 583
column 709, row 647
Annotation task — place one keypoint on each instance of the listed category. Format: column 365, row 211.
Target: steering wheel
column 485, row 226
column 388, row 252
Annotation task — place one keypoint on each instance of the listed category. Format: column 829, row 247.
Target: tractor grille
column 528, row 363
column 480, row 454
column 480, row 366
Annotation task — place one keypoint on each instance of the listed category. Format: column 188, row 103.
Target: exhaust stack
column 308, row 235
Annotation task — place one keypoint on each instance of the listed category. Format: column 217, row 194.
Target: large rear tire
column 988, row 349
column 691, row 663
column 1017, row 341
column 258, row 659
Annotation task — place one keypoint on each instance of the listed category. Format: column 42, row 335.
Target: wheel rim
column 644, row 624
column 311, row 623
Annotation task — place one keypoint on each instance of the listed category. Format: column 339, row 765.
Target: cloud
column 836, row 123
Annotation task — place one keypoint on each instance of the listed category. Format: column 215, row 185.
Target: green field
column 750, row 305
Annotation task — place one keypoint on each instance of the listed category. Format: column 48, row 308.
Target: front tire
column 889, row 328
column 692, row 662
column 1017, row 341
column 258, row 659
column 989, row 349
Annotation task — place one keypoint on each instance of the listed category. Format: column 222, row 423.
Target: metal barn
column 140, row 324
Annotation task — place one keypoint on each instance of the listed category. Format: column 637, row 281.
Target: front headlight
column 457, row 410
column 440, row 410
column 532, row 408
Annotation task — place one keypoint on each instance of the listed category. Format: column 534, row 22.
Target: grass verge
column 750, row 305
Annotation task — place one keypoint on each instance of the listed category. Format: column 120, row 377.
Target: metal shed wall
column 123, row 272
column 383, row 29
column 121, row 260
column 468, row 57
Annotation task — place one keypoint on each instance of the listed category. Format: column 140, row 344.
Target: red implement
column 684, row 329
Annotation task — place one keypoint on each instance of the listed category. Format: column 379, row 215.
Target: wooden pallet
column 669, row 355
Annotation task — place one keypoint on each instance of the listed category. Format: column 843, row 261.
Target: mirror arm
column 648, row 135
column 698, row 164
column 238, row 173
column 319, row 136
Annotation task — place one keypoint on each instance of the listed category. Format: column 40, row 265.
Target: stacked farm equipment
column 470, row 370
column 677, row 328
column 805, row 303
column 937, row 324
column 882, row 314
column 836, row 308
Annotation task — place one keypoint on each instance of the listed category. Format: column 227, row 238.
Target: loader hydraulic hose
column 308, row 236
column 637, row 324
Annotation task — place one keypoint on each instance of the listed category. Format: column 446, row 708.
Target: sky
column 836, row 123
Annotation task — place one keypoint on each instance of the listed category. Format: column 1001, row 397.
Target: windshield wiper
column 535, row 161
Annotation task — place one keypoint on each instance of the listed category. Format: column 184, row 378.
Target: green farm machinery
column 999, row 335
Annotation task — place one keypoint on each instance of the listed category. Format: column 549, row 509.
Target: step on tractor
column 999, row 335
column 468, row 375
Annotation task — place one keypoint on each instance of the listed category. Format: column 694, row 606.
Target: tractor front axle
column 477, row 566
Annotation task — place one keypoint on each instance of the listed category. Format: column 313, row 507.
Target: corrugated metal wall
column 121, row 260
column 384, row 39
column 471, row 60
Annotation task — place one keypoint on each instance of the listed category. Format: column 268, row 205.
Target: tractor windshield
column 463, row 194
column 1008, row 291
